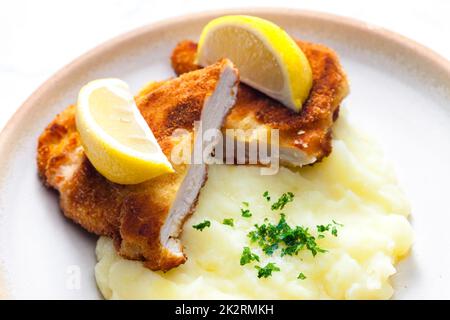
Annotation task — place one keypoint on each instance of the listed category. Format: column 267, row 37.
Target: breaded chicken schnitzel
column 305, row 137
column 145, row 220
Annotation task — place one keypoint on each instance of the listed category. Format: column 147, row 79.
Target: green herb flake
column 334, row 231
column 246, row 213
column 328, row 227
column 247, row 256
column 228, row 222
column 282, row 201
column 202, row 225
column 323, row 228
column 266, row 195
column 338, row 224
column 270, row 249
column 265, row 272
column 301, row 276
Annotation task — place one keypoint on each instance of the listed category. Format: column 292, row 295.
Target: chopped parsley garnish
column 291, row 240
column 334, row 231
column 202, row 225
column 245, row 212
column 283, row 200
column 265, row 272
column 324, row 228
column 247, row 256
column 337, row 223
column 228, row 222
column 301, row 276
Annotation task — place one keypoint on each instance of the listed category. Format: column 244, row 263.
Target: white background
column 40, row 37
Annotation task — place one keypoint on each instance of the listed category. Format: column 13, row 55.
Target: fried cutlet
column 304, row 137
column 145, row 220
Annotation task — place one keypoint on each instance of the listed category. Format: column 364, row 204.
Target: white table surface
column 40, row 37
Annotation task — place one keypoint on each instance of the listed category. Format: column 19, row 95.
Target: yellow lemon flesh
column 115, row 136
column 268, row 59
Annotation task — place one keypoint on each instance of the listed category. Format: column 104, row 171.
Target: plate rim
column 423, row 51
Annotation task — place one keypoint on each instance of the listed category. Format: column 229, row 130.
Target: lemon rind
column 276, row 40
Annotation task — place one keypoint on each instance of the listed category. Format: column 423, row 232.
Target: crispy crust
column 310, row 129
column 132, row 215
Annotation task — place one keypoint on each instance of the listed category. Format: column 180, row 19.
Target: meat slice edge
column 134, row 215
column 214, row 111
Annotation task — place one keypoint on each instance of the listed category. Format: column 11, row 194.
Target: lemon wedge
column 268, row 59
column 115, row 136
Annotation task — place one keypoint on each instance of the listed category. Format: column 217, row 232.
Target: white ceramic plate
column 400, row 93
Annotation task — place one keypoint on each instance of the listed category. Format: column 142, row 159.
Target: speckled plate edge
column 9, row 134
column 422, row 52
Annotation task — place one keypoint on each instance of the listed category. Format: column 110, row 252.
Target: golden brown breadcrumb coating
column 132, row 215
column 310, row 129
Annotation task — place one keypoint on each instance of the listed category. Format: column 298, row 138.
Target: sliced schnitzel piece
column 145, row 220
column 305, row 137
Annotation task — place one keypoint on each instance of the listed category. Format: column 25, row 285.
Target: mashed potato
column 354, row 186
